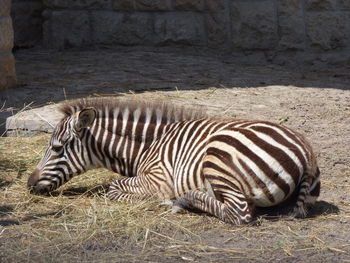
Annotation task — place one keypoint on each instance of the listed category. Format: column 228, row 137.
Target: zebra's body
column 222, row 166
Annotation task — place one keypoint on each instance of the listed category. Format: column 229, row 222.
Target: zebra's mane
column 170, row 112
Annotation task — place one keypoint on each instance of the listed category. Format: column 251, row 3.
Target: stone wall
column 233, row 24
column 27, row 22
column 7, row 61
column 321, row 26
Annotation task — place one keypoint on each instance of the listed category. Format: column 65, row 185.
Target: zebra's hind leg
column 309, row 190
column 234, row 209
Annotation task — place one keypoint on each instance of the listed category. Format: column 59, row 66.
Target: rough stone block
column 292, row 33
column 142, row 5
column 42, row 119
column 320, row 5
column 289, row 7
column 5, row 7
column 75, row 4
column 64, row 29
column 344, row 5
column 7, row 70
column 180, row 28
column 254, row 25
column 124, row 5
column 189, row 4
column 121, row 28
column 217, row 25
column 152, row 5
column 6, row 33
column 291, row 24
column 328, row 30
column 27, row 23
column 215, row 5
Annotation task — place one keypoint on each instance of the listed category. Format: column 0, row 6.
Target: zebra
column 225, row 167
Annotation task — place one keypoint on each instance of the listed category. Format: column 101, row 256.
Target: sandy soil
column 313, row 101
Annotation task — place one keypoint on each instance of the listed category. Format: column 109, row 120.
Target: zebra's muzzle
column 36, row 186
column 39, row 191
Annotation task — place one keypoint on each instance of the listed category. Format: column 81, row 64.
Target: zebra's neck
column 118, row 138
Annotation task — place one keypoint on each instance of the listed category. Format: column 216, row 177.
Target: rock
column 5, row 7
column 34, row 121
column 123, row 5
column 122, row 28
column 217, row 23
column 88, row 4
column 7, row 70
column 254, row 25
column 291, row 24
column 65, row 29
column 142, row 5
column 152, row 5
column 189, row 5
column 6, row 33
column 27, row 23
column 179, row 28
column 328, row 30
column 320, row 5
column 340, row 60
column 216, row 5
column 7, row 61
column 292, row 33
column 218, row 32
column 344, row 5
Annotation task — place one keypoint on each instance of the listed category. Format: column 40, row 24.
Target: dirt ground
column 78, row 224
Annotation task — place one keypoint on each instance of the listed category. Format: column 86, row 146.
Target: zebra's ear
column 85, row 118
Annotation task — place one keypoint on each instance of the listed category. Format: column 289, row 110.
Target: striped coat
column 225, row 167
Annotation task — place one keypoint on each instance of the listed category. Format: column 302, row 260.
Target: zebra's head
column 64, row 156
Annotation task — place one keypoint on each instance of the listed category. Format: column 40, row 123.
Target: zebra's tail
column 309, row 190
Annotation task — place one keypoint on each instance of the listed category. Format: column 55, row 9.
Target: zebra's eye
column 57, row 148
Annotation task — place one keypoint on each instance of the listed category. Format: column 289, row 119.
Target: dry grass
column 77, row 223
column 77, row 220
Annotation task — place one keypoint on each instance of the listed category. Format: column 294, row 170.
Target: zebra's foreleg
column 127, row 189
column 175, row 207
column 120, row 196
column 234, row 209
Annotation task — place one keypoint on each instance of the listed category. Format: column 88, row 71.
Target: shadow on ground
column 52, row 76
column 323, row 208
column 86, row 191
column 6, row 211
column 18, row 167
column 4, row 183
column 318, row 209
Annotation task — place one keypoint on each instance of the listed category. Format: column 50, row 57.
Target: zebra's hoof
column 166, row 203
column 177, row 210
column 298, row 212
column 182, row 203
